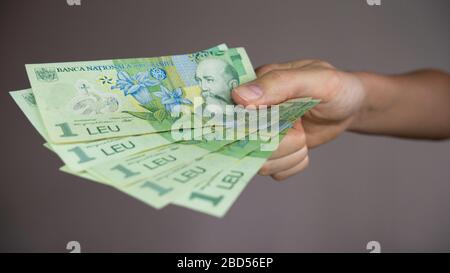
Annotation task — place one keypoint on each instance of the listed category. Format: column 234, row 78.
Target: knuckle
column 325, row 64
column 303, row 153
column 314, row 61
column 306, row 161
column 278, row 86
column 266, row 68
column 276, row 76
column 278, row 177
column 265, row 170
column 333, row 79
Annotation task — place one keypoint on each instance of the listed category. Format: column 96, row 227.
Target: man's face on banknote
column 216, row 78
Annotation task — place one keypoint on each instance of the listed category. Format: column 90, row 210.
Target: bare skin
column 413, row 105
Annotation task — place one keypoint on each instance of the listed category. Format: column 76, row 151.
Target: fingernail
column 249, row 92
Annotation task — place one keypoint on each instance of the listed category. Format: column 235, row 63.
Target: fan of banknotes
column 163, row 130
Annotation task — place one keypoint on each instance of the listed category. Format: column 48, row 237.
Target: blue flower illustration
column 135, row 85
column 158, row 73
column 172, row 100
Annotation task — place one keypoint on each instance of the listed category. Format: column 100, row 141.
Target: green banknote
column 216, row 194
column 123, row 171
column 166, row 187
column 80, row 156
column 160, row 190
column 209, row 184
column 161, row 178
column 219, row 192
column 86, row 101
column 147, row 164
column 117, row 122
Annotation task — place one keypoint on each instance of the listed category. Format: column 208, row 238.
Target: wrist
column 362, row 88
column 379, row 98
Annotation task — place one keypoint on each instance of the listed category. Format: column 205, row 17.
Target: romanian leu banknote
column 215, row 194
column 148, row 164
column 110, row 121
column 198, row 181
column 80, row 156
column 210, row 183
column 86, row 101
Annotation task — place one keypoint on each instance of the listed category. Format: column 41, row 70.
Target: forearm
column 413, row 105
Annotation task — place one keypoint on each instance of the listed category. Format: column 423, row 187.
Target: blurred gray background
column 357, row 189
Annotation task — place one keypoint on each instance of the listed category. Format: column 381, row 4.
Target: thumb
column 278, row 86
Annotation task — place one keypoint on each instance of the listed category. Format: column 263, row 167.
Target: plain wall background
column 357, row 189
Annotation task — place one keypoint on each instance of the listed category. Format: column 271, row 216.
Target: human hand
column 341, row 94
